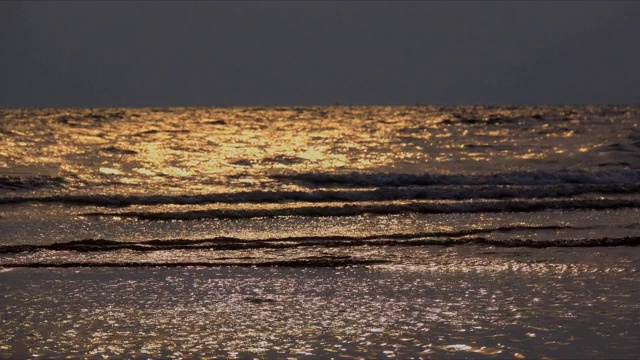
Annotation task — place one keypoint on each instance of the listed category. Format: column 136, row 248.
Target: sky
column 109, row 54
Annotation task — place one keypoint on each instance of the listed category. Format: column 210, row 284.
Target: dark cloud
column 247, row 53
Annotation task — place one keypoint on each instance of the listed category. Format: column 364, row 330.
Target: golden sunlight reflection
column 110, row 171
column 217, row 150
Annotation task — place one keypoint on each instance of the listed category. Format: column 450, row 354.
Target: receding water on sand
column 476, row 309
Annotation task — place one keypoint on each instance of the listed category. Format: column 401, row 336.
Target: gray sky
column 98, row 54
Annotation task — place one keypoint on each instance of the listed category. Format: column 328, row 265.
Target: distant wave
column 436, row 192
column 622, row 153
column 10, row 182
column 357, row 179
column 382, row 209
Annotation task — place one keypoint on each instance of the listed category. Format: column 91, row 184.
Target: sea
column 320, row 232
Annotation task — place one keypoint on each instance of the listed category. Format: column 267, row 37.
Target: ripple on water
column 357, row 311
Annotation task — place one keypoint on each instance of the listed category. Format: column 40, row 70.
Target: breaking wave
column 232, row 243
column 383, row 209
column 436, row 192
column 356, row 179
column 314, row 243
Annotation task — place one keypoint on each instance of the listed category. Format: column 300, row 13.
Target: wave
column 382, row 209
column 118, row 151
column 10, row 182
column 357, row 179
column 442, row 238
column 623, row 153
column 324, row 261
column 317, row 196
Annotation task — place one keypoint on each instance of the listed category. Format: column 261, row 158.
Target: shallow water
column 408, row 311
column 320, row 231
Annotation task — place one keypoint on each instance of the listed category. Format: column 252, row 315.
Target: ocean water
column 410, row 232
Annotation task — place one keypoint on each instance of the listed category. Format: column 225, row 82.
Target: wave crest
column 10, row 182
column 357, row 179
column 382, row 209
